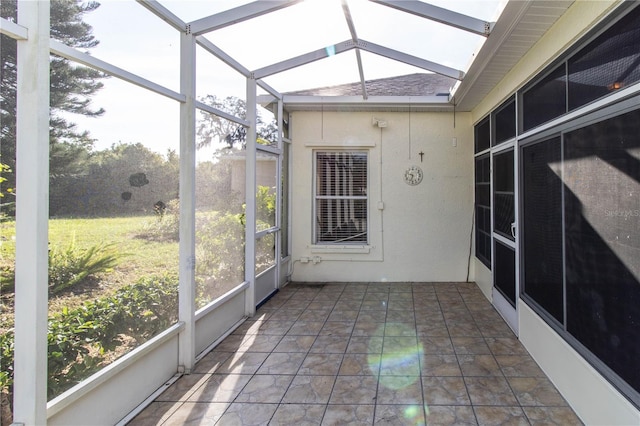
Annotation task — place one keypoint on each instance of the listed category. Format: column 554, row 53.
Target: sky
column 134, row 39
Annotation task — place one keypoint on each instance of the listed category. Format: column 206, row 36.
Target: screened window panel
column 503, row 195
column 483, row 209
column 341, row 203
column 602, row 241
column 609, row 63
column 505, row 271
column 483, row 135
column 505, row 122
column 546, row 100
column 542, row 226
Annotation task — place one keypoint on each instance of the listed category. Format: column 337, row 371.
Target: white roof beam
column 220, row 54
column 411, row 60
column 304, row 59
column 354, row 37
column 13, row 30
column 237, row 14
column 215, row 111
column 439, row 14
column 269, row 89
column 72, row 54
column 164, row 14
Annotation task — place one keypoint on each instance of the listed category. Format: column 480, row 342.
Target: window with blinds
column 341, row 203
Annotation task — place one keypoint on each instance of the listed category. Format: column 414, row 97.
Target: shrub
column 80, row 340
column 69, row 266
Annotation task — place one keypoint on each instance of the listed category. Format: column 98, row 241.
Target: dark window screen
column 602, row 238
column 505, row 271
column 483, row 135
column 542, row 225
column 546, row 100
column 609, row 63
column 483, row 209
column 503, row 196
column 505, row 120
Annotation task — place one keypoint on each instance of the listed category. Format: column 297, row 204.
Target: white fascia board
column 220, row 113
column 372, row 100
column 274, row 92
column 237, row 14
column 439, row 14
column 220, row 54
column 13, row 30
column 409, row 59
column 304, row 59
column 72, row 54
column 164, row 14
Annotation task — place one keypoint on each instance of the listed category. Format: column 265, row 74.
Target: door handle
column 513, row 229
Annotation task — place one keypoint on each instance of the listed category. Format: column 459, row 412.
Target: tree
column 214, row 128
column 71, row 90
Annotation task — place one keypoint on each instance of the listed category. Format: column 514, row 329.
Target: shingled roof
column 419, row 84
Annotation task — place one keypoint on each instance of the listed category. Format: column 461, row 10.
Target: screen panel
column 505, row 271
column 546, row 100
column 542, row 225
column 503, row 195
column 602, row 241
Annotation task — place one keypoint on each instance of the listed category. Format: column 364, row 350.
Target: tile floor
column 379, row 353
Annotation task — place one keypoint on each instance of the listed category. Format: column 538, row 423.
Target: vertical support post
column 32, row 216
column 186, row 292
column 250, row 196
column 278, row 236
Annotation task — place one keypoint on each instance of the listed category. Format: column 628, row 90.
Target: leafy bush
column 82, row 340
column 69, row 266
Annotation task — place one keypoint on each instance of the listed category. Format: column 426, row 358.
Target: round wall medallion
column 413, row 175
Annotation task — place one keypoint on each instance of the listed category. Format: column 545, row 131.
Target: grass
column 142, row 256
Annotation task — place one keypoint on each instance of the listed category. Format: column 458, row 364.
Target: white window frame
column 315, row 237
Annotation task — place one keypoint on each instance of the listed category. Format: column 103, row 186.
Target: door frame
column 505, row 308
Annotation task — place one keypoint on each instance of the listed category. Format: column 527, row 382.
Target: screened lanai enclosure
column 168, row 167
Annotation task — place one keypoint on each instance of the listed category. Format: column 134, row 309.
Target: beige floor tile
column 448, row 415
column 298, row 414
column 295, row 344
column 247, row 414
column 519, row 366
column 501, row 416
column 470, row 346
column 440, row 365
column 445, row 391
column 330, row 344
column 243, row 363
column 490, row 391
column 360, row 365
column 265, row 389
column 195, row 413
column 364, row 345
column 220, row 388
column 560, row 416
column 282, row 363
column 155, row 413
column 394, row 415
column 355, row 415
column 354, row 390
column 479, row 365
column 400, row 390
column 309, row 390
column 321, row 364
column 435, row 345
column 535, row 391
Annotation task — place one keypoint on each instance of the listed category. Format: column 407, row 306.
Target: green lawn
column 141, row 256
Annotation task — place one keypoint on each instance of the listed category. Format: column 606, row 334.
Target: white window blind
column 341, row 197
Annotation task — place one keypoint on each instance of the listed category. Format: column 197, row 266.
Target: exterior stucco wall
column 416, row 233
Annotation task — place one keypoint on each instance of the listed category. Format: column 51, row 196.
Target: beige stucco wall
column 422, row 232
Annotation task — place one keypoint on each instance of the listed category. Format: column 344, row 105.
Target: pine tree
column 71, row 89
